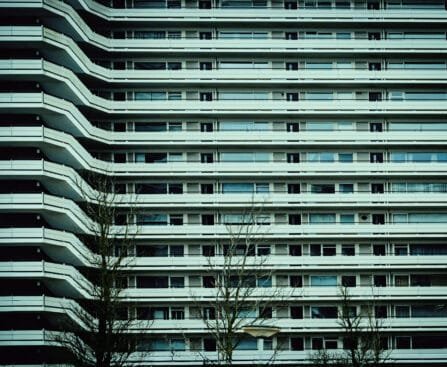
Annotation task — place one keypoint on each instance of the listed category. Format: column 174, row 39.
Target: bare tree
column 242, row 299
column 102, row 335
column 363, row 337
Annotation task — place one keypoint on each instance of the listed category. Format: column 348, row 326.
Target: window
column 346, row 188
column 348, row 281
column 295, row 250
column 296, row 312
column 379, row 281
column 264, row 282
column 176, row 251
column 291, row 66
column 293, row 127
column 401, row 281
column 293, row 188
column 347, row 218
column 326, row 312
column 152, row 219
column 244, row 157
column 263, row 250
column 208, row 250
column 294, row 219
column 207, row 219
column 379, row 250
column 402, row 311
column 322, row 188
column 244, row 126
column 323, row 343
column 206, row 65
column 322, row 157
column 403, row 342
column 348, row 250
column 177, row 313
column 206, row 157
column 176, row 219
column 380, row 312
column 323, row 280
column 206, row 188
column 245, row 188
column 208, row 281
column 321, row 218
column 244, row 96
column 293, row 157
column 296, row 281
column 296, row 343
column 177, row 282
column 292, row 97
column 291, row 35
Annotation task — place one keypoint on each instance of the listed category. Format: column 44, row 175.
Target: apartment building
column 330, row 115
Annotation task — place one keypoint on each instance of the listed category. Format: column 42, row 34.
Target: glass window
column 402, row 311
column 146, row 65
column 237, row 188
column 248, row 96
column 345, row 157
column 327, row 312
column 150, row 126
column 321, row 218
column 178, row 344
column 247, row 344
column 346, row 188
column 243, row 126
column 320, row 126
column 319, row 96
column 152, row 219
column 318, row 65
column 150, row 96
column 245, row 157
column 323, row 280
column 322, row 188
column 343, row 35
column 417, row 126
column 320, row 157
column 347, row 218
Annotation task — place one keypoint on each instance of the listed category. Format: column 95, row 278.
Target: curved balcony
column 53, row 305
column 262, row 170
column 63, row 115
column 54, row 77
column 224, row 16
column 187, row 358
column 62, row 306
column 65, row 214
column 61, row 246
column 305, row 294
column 264, row 108
column 65, row 247
column 61, row 279
column 32, row 34
column 65, row 181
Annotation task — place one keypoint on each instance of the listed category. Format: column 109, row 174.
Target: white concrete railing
column 65, row 279
column 68, row 215
column 347, row 108
column 224, row 46
column 187, row 357
column 195, row 326
column 221, row 77
column 77, row 189
column 254, row 15
column 65, row 247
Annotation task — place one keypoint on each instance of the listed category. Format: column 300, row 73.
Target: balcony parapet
column 30, row 34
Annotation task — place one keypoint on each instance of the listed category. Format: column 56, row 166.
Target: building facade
column 327, row 115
